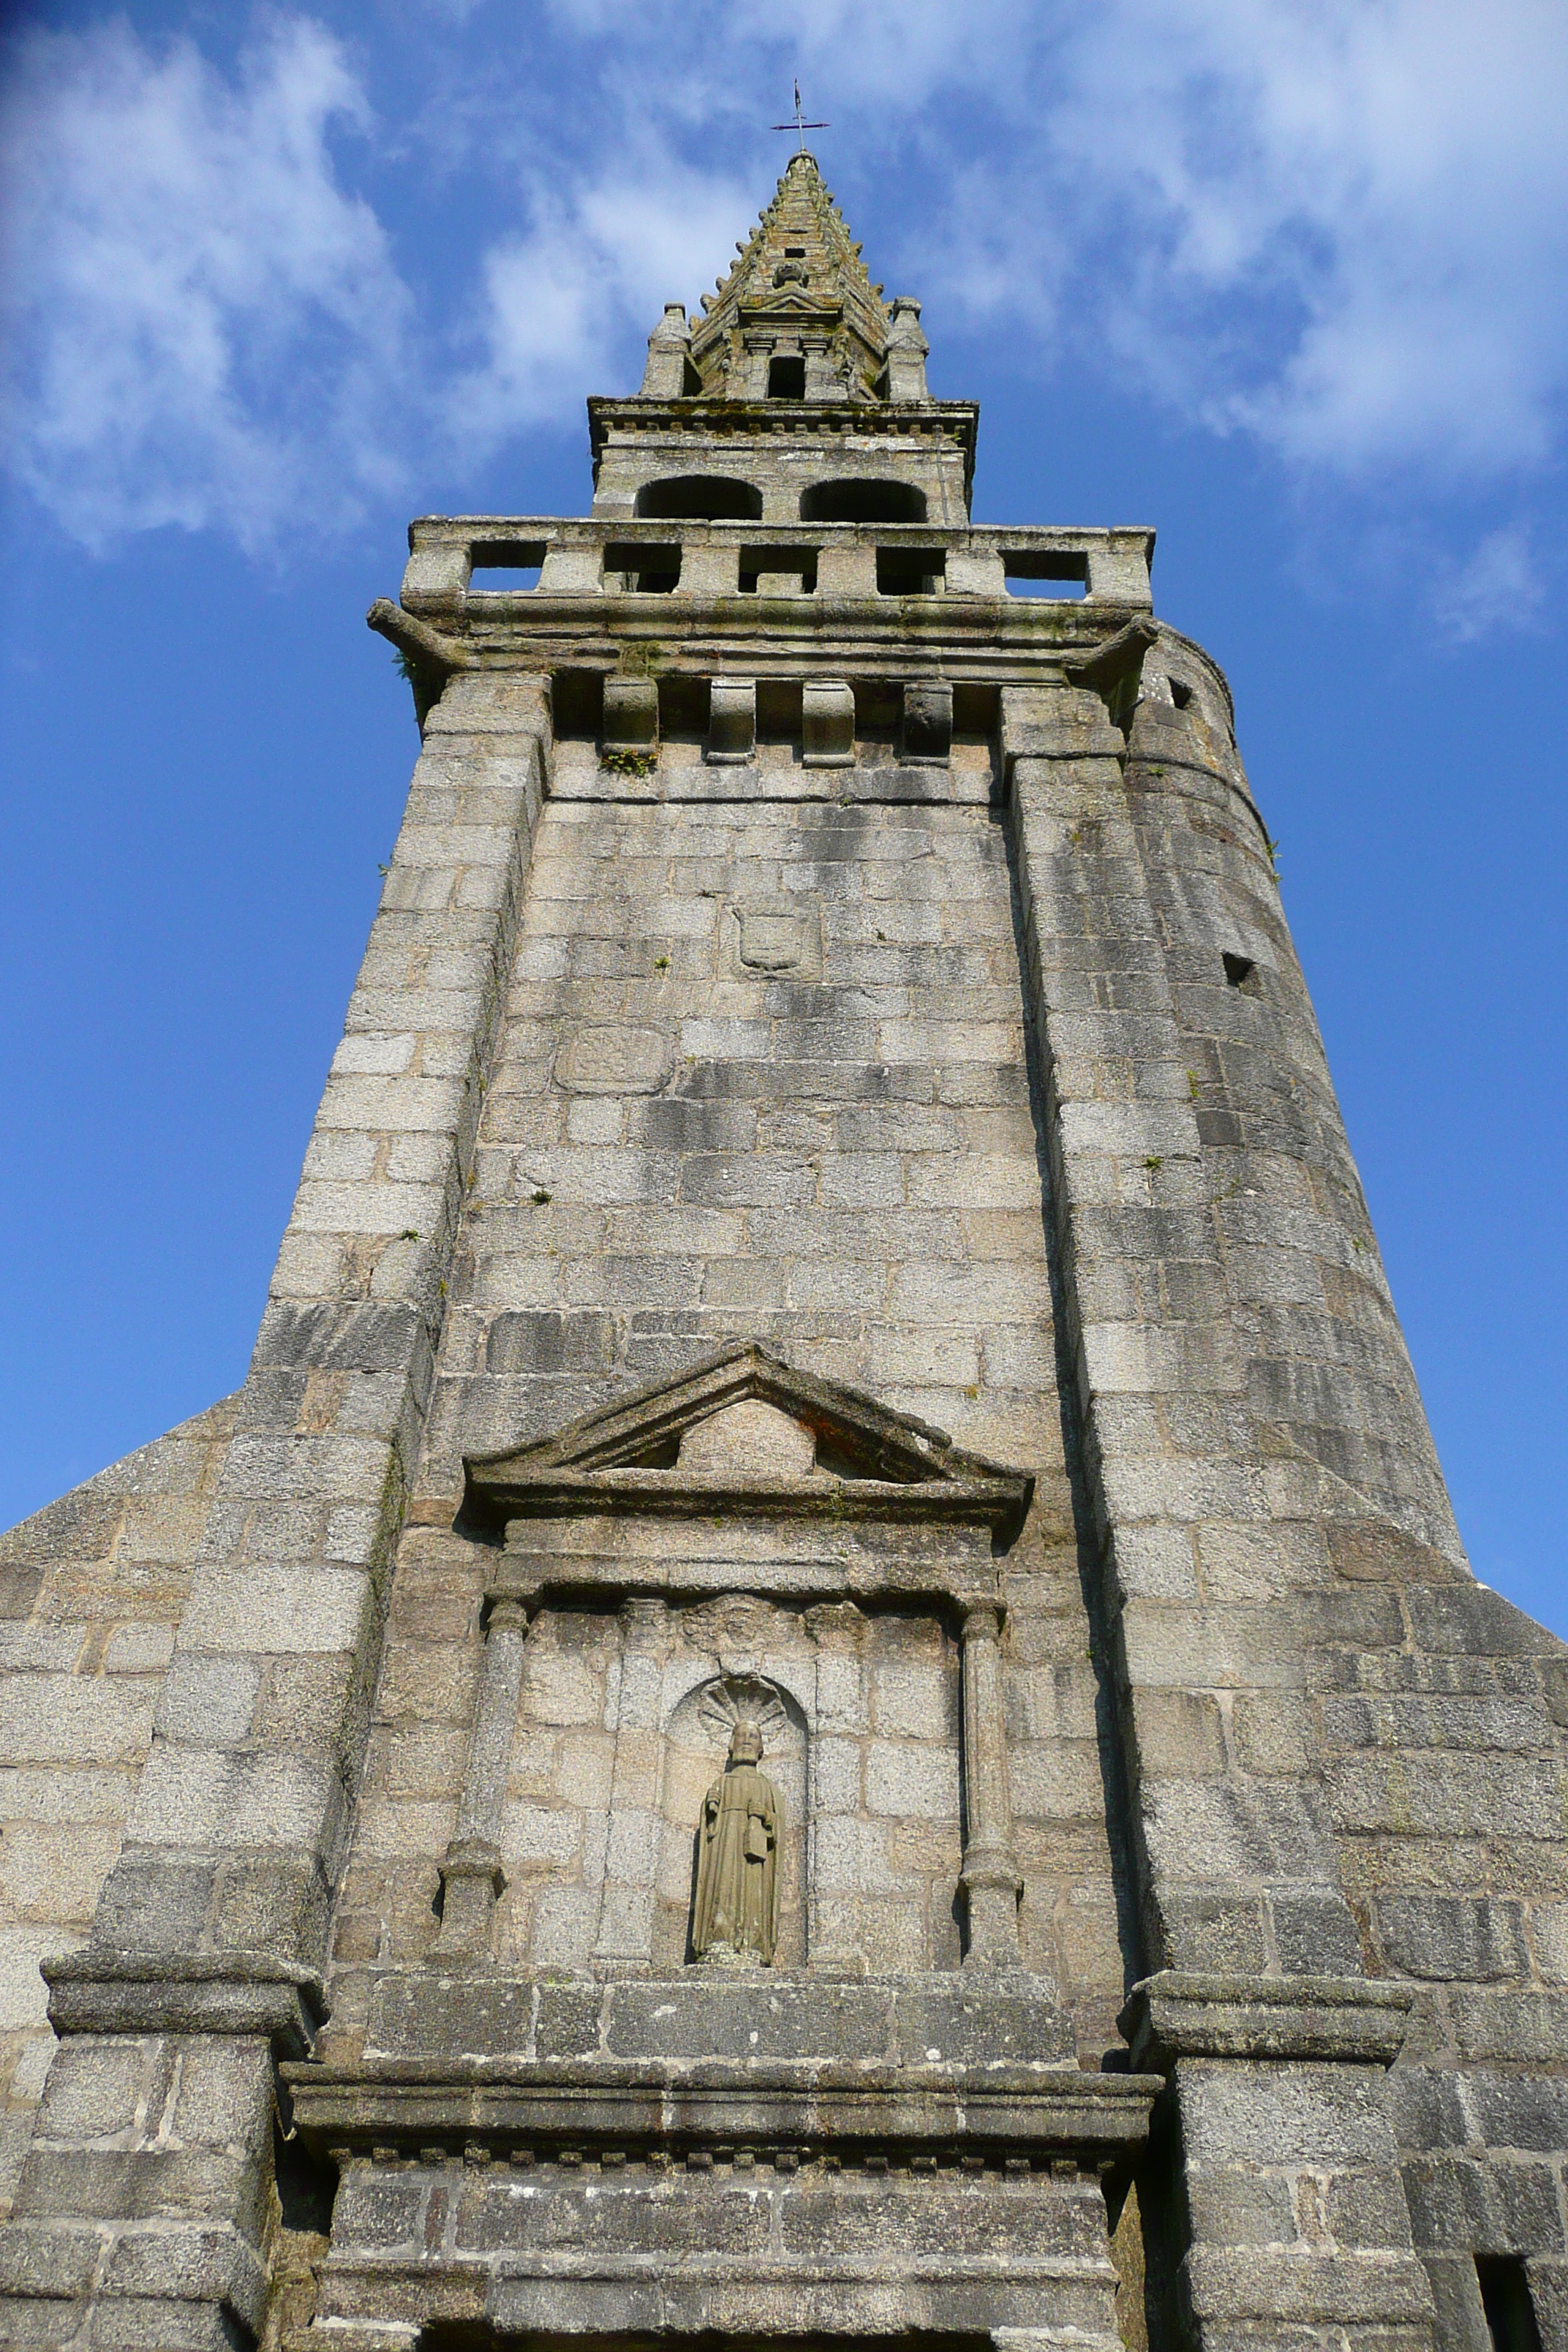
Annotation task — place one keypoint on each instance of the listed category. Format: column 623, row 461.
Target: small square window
column 502, row 565
column 778, row 571
column 644, row 570
column 910, row 570
column 1046, row 571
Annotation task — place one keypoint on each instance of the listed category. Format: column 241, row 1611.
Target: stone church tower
column 821, row 1689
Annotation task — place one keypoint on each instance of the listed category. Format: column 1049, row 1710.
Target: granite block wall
column 90, row 1591
column 841, row 1159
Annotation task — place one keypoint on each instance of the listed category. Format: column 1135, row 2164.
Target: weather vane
column 797, row 126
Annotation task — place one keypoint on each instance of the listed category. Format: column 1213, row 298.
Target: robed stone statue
column 737, row 1909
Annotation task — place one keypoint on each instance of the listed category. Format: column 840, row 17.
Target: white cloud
column 1350, row 220
column 1500, row 589
column 207, row 328
column 563, row 302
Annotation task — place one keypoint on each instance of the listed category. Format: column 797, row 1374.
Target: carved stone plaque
column 614, row 1061
column 773, row 936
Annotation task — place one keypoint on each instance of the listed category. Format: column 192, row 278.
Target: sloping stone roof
column 800, row 266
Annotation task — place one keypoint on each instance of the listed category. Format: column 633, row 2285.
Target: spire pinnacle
column 800, row 273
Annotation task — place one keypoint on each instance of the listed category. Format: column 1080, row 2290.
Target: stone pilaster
column 625, row 1939
column 471, row 1876
column 989, row 1878
column 1297, row 2222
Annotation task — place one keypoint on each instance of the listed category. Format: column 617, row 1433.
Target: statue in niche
column 735, row 1917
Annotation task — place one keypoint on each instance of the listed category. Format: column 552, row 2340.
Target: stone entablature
column 888, row 2153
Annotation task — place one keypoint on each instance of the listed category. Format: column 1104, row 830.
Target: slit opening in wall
column 505, row 566
column 1238, row 969
column 1182, row 695
column 1506, row 2300
column 307, row 2184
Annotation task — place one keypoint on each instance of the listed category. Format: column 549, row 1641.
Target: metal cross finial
column 799, row 127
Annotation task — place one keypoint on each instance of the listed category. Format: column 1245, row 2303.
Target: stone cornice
column 242, row 1992
column 692, row 2069
column 1355, row 2020
column 995, row 639
column 728, row 420
column 586, row 2109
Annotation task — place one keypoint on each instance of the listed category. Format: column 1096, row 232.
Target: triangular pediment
column 717, row 1439
column 789, row 305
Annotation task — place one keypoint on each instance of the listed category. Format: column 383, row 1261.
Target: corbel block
column 827, row 723
column 731, row 721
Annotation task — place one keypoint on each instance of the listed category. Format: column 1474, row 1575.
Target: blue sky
column 1287, row 282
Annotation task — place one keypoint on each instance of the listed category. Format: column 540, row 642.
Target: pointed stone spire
column 797, row 395
column 799, row 295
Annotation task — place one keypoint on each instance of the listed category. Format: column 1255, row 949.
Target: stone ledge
column 1353, row 2021
column 573, row 2114
column 888, row 785
column 773, row 2302
column 230, row 1993
column 573, row 2071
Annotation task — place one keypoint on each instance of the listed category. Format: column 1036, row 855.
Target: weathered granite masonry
column 829, row 1213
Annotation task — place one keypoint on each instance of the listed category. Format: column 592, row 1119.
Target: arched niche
column 850, row 499
column 701, row 498
column 696, row 1740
